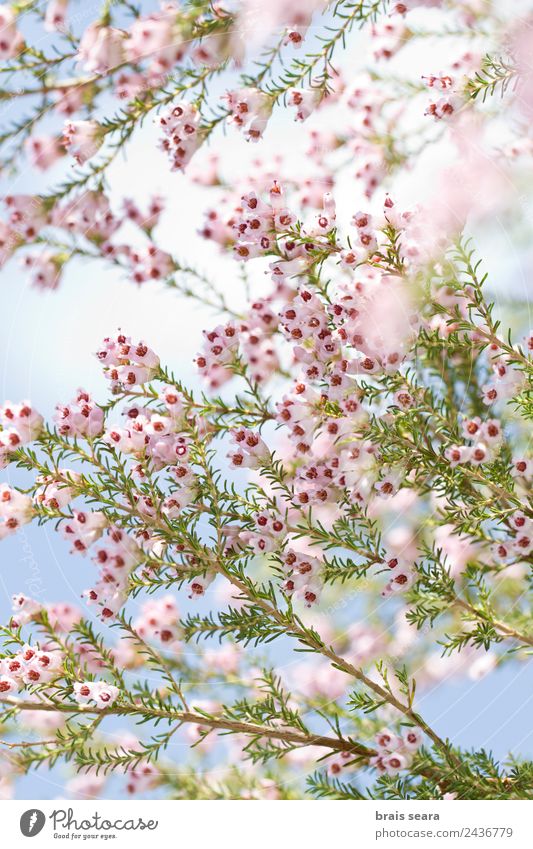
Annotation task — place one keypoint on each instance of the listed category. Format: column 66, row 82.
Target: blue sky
column 46, row 350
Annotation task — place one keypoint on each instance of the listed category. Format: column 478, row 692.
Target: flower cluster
column 335, row 517
column 182, row 134
column 125, row 363
column 16, row 509
column 21, row 424
column 82, row 417
column 249, row 110
column 28, row 667
column 485, row 440
column 159, row 620
column 519, row 542
column 102, row 694
column 395, row 751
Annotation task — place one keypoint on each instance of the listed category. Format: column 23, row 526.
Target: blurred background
column 48, row 339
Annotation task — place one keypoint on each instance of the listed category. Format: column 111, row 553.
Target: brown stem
column 286, row 735
column 346, row 667
column 498, row 625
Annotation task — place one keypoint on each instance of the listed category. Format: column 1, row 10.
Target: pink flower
column 45, row 268
column 522, row 468
column 24, row 609
column 83, row 529
column 141, row 777
column 227, row 658
column 250, row 110
column 42, row 667
column 55, row 15
column 394, row 763
column 150, row 264
column 492, row 432
column 43, row 151
column 63, row 616
column 11, row 41
column 388, row 37
column 126, row 363
column 103, row 694
column 479, row 454
column 156, row 39
column 82, row 417
column 199, row 584
column 250, row 451
column 8, row 686
column 16, row 509
column 457, row 549
column 401, row 578
column 22, row 419
column 56, row 492
column 182, row 133
column 256, row 19
column 159, row 619
column 387, row 486
column 457, row 454
column 130, row 85
column 412, row 738
column 388, row 741
column 472, row 428
column 305, row 102
column 86, row 785
column 101, row 48
column 219, row 352
column 82, row 139
column 27, row 215
column 89, row 215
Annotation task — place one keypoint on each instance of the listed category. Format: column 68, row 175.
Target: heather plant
column 338, row 514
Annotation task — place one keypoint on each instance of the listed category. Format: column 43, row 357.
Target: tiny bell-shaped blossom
column 82, row 139
column 181, row 126
column 412, row 739
column 250, row 110
column 522, row 468
column 43, row 151
column 125, row 363
column 55, row 17
column 83, row 529
column 24, row 609
column 250, row 451
column 101, row 48
column 46, row 268
column 8, row 685
column 82, row 417
column 20, row 424
column 305, row 101
column 394, row 763
column 23, row 418
column 11, row 41
column 388, row 741
column 198, row 585
column 220, row 348
column 27, row 215
column 457, row 454
column 157, row 38
column 100, row 692
column 56, row 491
column 16, row 509
column 401, row 578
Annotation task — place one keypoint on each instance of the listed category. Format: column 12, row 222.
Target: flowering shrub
column 352, row 480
